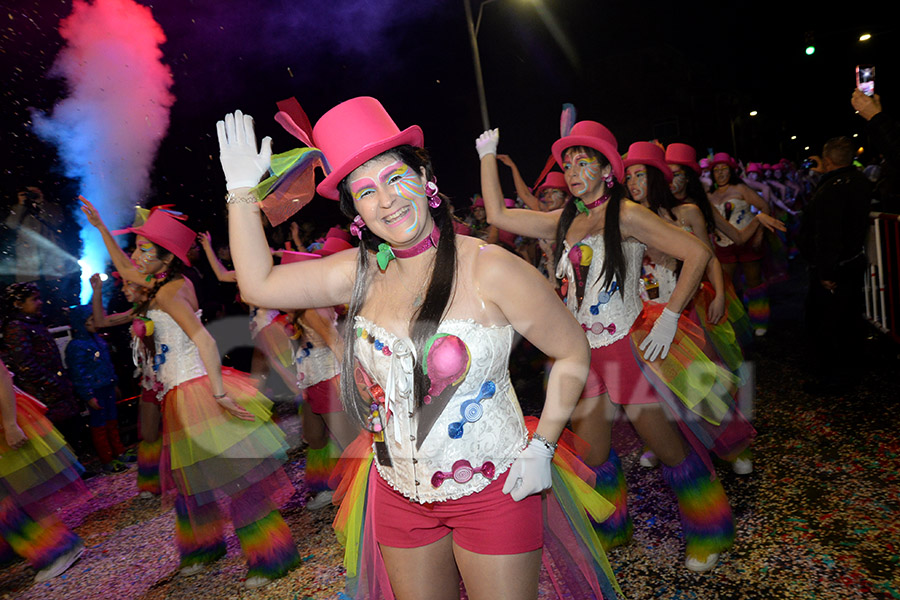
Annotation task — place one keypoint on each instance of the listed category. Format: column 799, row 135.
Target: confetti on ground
column 817, row 518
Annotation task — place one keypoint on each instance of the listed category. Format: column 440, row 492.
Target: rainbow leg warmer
column 319, row 465
column 758, row 306
column 198, row 532
column 148, row 466
column 616, row 530
column 39, row 542
column 268, row 546
column 705, row 513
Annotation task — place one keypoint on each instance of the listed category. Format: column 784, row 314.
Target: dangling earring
column 609, row 180
column 431, row 190
column 357, row 226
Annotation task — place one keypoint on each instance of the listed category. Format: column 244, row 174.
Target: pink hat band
column 553, row 181
column 592, row 134
column 682, row 154
column 649, row 155
column 354, row 132
column 167, row 232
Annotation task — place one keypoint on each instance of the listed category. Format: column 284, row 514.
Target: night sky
column 646, row 70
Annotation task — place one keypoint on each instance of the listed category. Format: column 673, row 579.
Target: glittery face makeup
column 636, row 182
column 679, row 179
column 392, row 192
column 144, row 255
column 582, row 172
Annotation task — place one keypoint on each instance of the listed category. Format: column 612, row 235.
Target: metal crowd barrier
column 882, row 281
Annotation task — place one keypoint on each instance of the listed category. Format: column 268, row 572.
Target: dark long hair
column 697, row 195
column 614, row 262
column 659, row 195
column 437, row 297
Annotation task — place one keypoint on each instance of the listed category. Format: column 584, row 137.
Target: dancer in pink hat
column 218, row 438
column 455, row 486
column 600, row 243
column 733, row 199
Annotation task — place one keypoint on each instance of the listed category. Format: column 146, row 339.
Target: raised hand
column 90, row 212
column 487, row 142
column 242, row 163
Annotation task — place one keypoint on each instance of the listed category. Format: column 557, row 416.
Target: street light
column 476, row 58
column 753, row 113
column 865, row 37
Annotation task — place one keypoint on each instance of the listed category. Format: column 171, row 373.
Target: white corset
column 616, row 311
column 495, row 438
column 177, row 359
column 666, row 279
column 737, row 212
column 314, row 360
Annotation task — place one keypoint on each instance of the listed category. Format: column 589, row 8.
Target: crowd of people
column 642, row 276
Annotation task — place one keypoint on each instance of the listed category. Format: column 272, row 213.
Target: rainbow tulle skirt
column 208, row 453
column 44, row 474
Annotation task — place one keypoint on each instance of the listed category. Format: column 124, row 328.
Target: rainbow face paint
column 581, row 171
column 636, row 182
column 143, row 255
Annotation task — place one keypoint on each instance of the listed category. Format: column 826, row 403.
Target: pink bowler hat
column 682, row 154
column 166, row 231
column 288, row 257
column 649, row 155
column 592, row 135
column 553, row 181
column 720, row 158
column 354, row 132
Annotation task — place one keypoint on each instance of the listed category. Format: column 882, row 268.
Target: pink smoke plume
column 109, row 127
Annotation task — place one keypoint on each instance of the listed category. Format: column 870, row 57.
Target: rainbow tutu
column 208, row 453
column 44, row 474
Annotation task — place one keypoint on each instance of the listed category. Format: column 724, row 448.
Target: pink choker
column 585, row 208
column 386, row 253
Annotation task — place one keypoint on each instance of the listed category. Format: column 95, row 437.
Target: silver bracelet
column 245, row 198
column 543, row 440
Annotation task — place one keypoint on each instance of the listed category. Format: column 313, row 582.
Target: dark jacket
column 30, row 352
column 88, row 358
column 834, row 225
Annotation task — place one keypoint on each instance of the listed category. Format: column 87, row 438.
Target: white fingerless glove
column 657, row 342
column 242, row 164
column 487, row 143
column 530, row 473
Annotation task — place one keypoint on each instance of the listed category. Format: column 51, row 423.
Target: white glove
column 530, row 473
column 487, row 143
column 242, row 164
column 657, row 342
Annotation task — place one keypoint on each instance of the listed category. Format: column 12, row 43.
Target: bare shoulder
column 687, row 211
column 632, row 213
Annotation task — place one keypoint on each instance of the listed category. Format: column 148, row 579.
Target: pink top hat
column 682, row 154
column 333, row 245
column 722, row 158
column 592, row 135
column 295, row 257
column 553, row 181
column 704, row 163
column 354, row 132
column 754, row 168
column 337, row 232
column 478, row 202
column 649, row 155
column 164, row 230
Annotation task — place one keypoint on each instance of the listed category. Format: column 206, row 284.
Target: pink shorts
column 325, row 396
column 615, row 369
column 487, row 522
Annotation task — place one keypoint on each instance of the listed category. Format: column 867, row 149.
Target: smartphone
column 865, row 79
